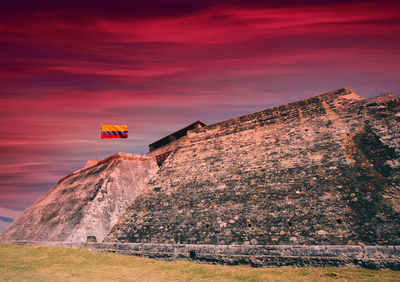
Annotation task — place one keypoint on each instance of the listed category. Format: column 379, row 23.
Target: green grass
column 44, row 263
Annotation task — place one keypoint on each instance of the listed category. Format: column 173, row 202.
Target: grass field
column 43, row 263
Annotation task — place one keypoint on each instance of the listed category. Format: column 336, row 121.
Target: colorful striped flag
column 113, row 131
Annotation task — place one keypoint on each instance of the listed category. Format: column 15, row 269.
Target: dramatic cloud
column 160, row 65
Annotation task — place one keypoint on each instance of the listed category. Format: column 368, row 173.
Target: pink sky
column 160, row 65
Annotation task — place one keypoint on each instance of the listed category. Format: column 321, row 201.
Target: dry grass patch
column 44, row 263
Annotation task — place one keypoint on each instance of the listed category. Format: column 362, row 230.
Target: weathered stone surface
column 86, row 203
column 376, row 257
column 320, row 171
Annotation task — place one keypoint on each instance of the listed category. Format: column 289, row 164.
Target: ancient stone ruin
column 314, row 182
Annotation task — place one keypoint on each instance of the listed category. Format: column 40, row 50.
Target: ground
column 44, row 263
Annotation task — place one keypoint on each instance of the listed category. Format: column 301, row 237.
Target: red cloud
column 65, row 69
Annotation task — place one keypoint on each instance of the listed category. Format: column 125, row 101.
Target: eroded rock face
column 86, row 203
column 324, row 170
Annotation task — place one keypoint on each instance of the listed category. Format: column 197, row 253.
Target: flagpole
column 98, row 144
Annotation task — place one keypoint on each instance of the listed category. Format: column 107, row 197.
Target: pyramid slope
column 85, row 203
column 323, row 170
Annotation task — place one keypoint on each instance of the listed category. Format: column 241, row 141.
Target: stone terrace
column 320, row 171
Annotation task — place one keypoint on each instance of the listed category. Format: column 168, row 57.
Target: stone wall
column 315, row 182
column 375, row 257
column 320, row 171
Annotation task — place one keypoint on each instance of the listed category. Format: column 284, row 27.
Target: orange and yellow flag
column 113, row 131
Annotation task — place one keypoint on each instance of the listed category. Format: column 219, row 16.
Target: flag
column 113, row 131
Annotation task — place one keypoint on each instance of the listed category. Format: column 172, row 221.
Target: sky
column 157, row 66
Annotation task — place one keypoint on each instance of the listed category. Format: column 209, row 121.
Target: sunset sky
column 159, row 65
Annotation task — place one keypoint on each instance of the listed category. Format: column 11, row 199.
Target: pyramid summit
column 323, row 171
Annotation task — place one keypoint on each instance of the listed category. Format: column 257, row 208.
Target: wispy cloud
column 66, row 66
